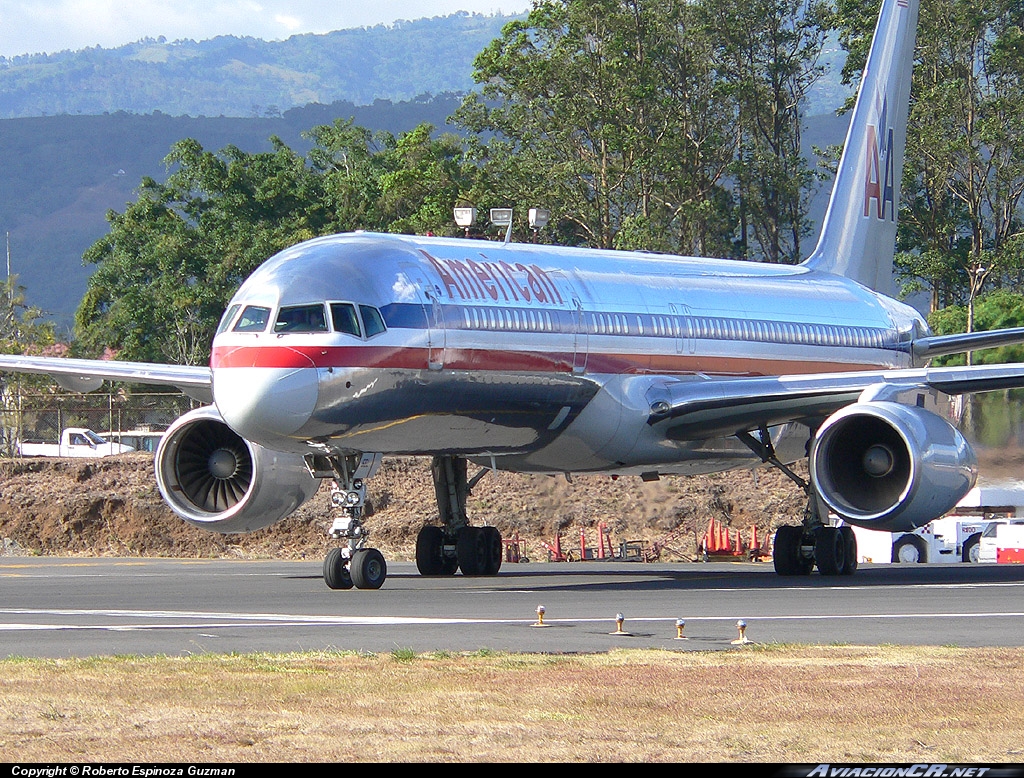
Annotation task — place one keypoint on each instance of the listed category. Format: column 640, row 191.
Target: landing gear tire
column 336, row 574
column 368, row 568
column 910, row 549
column 479, row 550
column 972, row 548
column 830, row 551
column 493, row 547
column 430, row 551
column 786, row 551
column 850, row 541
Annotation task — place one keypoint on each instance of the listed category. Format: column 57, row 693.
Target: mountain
column 59, row 175
column 231, row 76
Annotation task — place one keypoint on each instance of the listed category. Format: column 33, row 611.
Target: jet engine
column 887, row 466
column 214, row 479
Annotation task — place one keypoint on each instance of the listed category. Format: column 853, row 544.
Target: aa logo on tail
column 879, row 172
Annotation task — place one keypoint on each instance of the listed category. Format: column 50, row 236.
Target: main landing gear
column 798, row 550
column 455, row 545
column 354, row 564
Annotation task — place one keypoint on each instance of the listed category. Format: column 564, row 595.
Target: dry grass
column 758, row 704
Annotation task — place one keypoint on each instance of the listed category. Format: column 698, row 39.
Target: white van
column 988, row 549
column 140, row 440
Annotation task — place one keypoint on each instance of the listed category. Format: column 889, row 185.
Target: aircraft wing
column 85, row 375
column 702, row 407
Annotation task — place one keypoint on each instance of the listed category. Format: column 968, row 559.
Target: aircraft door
column 581, row 338
column 438, row 333
column 433, row 314
column 682, row 328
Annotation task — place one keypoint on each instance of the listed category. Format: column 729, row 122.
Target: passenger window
column 253, row 319
column 372, row 320
column 301, row 318
column 343, row 315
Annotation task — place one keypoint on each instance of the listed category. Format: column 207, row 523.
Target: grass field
column 770, row 703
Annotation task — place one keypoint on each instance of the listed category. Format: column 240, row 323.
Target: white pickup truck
column 74, row 442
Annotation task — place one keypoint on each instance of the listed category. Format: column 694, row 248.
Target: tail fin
column 858, row 235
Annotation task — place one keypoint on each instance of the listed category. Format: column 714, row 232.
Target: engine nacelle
column 214, row 479
column 888, row 466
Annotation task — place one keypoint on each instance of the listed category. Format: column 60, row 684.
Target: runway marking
column 198, row 620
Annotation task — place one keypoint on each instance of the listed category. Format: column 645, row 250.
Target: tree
column 643, row 123
column 425, row 177
column 586, row 105
column 768, row 52
column 172, row 260
column 22, row 331
column 174, row 257
column 963, row 179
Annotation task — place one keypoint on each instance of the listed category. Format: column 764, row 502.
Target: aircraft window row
column 784, row 332
column 308, row 318
column 505, row 319
column 609, row 324
column 701, row 328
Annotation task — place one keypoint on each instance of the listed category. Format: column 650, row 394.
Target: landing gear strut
column 797, row 550
column 354, row 564
column 455, row 545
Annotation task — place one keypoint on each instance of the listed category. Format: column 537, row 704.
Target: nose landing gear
column 354, row 564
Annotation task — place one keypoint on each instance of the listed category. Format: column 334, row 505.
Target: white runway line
column 199, row 620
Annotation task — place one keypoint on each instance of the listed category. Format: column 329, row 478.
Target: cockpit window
column 372, row 320
column 253, row 319
column 344, row 317
column 301, row 318
column 225, row 320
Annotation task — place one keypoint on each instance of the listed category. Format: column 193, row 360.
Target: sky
column 46, row 26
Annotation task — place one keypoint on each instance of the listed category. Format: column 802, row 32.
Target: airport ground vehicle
column 955, row 537
column 138, row 439
column 74, row 442
column 1002, row 541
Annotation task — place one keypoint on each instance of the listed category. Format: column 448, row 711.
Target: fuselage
column 539, row 357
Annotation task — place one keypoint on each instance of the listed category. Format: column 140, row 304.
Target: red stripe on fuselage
column 394, row 357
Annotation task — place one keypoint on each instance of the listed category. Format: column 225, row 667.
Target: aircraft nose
column 264, row 403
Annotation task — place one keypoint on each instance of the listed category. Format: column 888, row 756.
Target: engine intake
column 889, row 466
column 214, row 479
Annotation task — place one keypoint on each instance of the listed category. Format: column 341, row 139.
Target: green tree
column 424, row 180
column 768, row 53
column 173, row 258
column 588, row 105
column 22, row 331
column 963, row 179
column 642, row 123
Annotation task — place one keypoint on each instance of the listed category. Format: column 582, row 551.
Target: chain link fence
column 43, row 417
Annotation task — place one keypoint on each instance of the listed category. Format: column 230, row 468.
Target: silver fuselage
column 533, row 359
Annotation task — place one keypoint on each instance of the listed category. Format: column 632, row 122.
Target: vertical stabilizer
column 858, row 235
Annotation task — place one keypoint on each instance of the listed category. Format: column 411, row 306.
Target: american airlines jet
column 342, row 350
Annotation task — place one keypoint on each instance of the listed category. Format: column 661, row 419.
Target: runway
column 62, row 607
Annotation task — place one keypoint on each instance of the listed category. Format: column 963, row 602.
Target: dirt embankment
column 112, row 507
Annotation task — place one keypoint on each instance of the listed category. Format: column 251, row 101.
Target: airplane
column 345, row 349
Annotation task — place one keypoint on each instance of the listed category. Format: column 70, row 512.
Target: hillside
column 59, row 175
column 247, row 77
column 112, row 507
